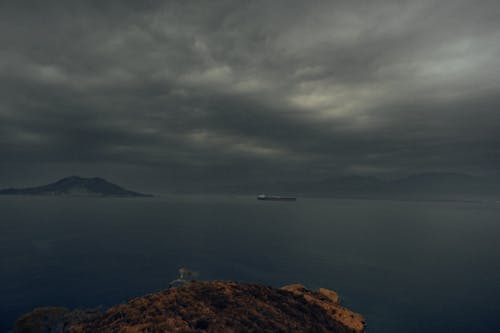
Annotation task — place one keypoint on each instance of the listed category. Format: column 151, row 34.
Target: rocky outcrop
column 329, row 301
column 54, row 319
column 217, row 306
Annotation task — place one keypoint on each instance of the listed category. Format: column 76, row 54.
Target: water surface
column 406, row 266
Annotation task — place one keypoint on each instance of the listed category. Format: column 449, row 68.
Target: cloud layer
column 230, row 91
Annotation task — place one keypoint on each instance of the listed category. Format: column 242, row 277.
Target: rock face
column 217, row 306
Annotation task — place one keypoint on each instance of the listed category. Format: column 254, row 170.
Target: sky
column 159, row 94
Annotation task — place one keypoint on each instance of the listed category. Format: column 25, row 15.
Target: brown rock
column 40, row 320
column 221, row 306
column 331, row 295
column 329, row 301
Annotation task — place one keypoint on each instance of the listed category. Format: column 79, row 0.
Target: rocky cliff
column 216, row 306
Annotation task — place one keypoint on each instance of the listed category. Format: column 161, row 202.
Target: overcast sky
column 151, row 93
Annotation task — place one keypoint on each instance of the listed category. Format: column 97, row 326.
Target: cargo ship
column 275, row 198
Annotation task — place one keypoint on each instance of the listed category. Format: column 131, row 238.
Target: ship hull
column 277, row 198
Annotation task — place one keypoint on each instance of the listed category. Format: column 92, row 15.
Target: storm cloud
column 157, row 93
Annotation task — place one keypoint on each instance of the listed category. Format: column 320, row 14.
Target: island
column 76, row 186
column 207, row 306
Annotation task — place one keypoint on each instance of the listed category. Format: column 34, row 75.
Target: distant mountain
column 452, row 186
column 349, row 185
column 442, row 183
column 424, row 186
column 76, row 186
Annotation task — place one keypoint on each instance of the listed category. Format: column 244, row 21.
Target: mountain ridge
column 76, row 186
column 419, row 186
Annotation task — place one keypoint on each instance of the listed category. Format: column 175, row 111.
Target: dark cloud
column 227, row 91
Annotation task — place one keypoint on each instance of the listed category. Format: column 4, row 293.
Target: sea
column 407, row 266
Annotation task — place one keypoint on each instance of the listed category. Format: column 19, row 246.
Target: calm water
column 406, row 266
